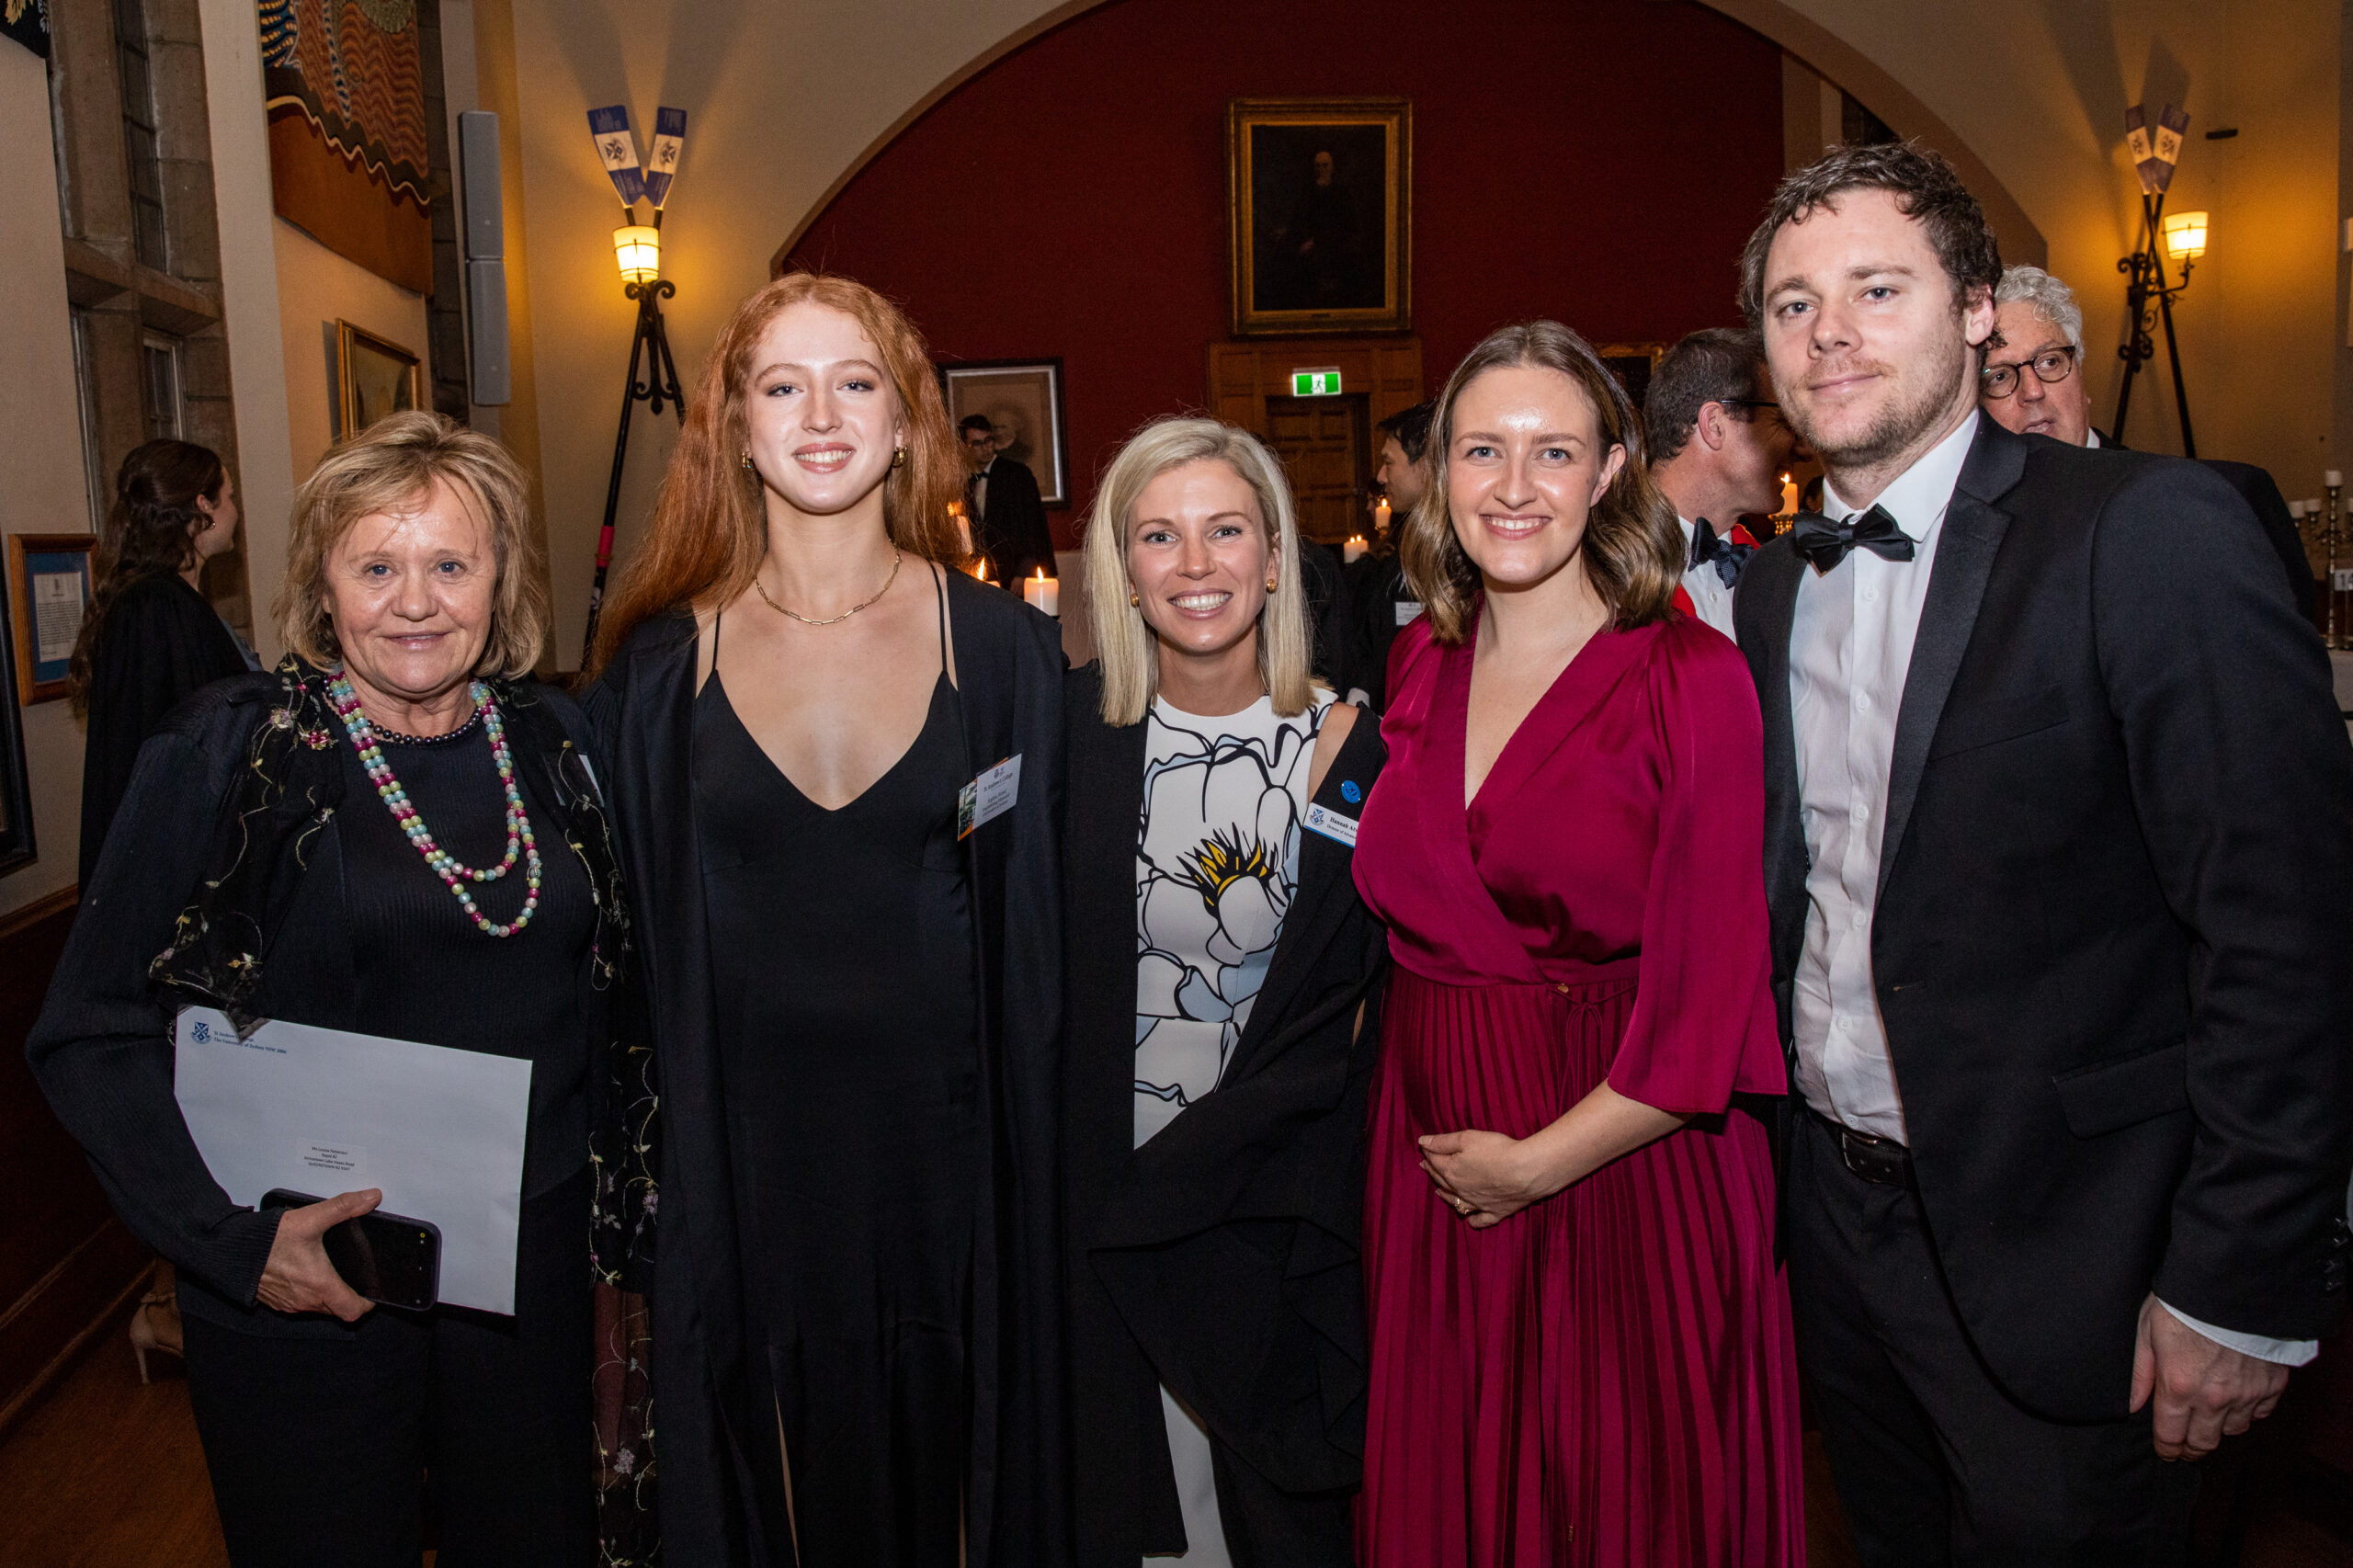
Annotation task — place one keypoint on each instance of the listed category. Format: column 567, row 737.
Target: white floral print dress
column 1217, row 861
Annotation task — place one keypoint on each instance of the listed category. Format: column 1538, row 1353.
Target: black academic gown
column 161, row 641
column 1222, row 1257
column 722, row 1498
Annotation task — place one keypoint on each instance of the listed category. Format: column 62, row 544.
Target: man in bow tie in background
column 1718, row 445
column 2059, row 859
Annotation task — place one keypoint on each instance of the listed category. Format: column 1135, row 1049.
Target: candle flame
column 1040, row 576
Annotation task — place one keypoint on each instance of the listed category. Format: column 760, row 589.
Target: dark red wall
column 1598, row 161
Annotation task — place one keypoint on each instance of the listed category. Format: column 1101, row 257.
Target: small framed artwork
column 49, row 579
column 375, row 376
column 1022, row 399
column 1318, row 197
column 16, row 783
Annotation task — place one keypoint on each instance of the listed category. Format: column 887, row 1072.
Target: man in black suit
column 1001, row 499
column 2034, row 385
column 2059, row 855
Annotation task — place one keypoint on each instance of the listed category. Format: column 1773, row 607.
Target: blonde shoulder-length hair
column 1633, row 550
column 392, row 465
column 1123, row 640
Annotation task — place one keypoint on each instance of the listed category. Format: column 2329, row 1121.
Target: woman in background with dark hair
column 150, row 636
column 1581, row 1346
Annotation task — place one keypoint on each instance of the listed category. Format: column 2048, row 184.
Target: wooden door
column 1324, row 444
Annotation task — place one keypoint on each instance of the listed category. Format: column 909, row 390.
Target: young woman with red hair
column 853, row 964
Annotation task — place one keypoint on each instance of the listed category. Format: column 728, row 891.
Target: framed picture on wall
column 1318, row 197
column 1022, row 399
column 16, row 783
column 374, row 377
column 49, row 590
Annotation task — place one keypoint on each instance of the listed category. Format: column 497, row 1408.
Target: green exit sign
column 1315, row 383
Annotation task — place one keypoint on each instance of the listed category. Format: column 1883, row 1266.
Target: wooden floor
column 109, row 1475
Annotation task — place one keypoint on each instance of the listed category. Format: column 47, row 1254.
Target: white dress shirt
column 1709, row 595
column 1850, row 649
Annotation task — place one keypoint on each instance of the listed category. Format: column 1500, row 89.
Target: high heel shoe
column 156, row 1307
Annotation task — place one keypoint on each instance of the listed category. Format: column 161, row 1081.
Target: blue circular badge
column 1351, row 791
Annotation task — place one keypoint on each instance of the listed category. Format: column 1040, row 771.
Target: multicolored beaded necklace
column 345, row 702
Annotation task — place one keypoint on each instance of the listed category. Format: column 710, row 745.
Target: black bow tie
column 1730, row 555
column 1826, row 543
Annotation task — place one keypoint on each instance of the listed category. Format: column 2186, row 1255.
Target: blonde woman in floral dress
column 1220, row 974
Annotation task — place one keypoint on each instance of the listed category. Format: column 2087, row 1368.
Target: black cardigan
column 102, row 1049
column 160, row 640
column 1222, row 1257
column 722, row 1500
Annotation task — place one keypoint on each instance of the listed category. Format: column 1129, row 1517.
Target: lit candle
column 1789, row 496
column 1353, row 551
column 981, row 568
column 1380, row 517
column 1042, row 592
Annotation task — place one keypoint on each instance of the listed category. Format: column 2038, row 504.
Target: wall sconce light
column 638, row 248
column 2186, row 236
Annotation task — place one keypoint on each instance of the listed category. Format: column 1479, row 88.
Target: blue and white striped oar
column 618, row 150
column 662, row 158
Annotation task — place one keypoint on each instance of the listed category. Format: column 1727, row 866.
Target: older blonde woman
column 393, row 833
column 1219, row 967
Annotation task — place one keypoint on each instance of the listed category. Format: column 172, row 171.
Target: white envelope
column 322, row 1111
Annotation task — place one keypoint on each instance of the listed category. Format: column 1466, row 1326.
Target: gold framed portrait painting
column 374, row 377
column 1319, row 193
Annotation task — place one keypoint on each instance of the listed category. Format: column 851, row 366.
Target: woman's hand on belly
column 1487, row 1177
column 297, row 1278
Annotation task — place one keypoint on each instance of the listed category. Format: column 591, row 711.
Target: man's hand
column 2204, row 1391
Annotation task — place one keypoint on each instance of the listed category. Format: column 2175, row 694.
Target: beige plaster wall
column 784, row 103
column 40, row 460
column 315, row 288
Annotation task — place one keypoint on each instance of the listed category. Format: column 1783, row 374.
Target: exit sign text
column 1315, row 383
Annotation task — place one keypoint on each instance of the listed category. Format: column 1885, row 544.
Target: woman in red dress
column 1581, row 1346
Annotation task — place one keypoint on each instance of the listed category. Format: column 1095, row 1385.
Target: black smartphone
column 388, row 1258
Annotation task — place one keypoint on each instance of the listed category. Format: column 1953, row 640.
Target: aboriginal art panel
column 344, row 80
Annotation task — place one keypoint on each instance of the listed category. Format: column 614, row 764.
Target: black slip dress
column 842, row 958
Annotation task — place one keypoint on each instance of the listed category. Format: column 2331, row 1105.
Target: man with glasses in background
column 1717, row 448
column 2033, row 383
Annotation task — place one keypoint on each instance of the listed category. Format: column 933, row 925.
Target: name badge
column 1407, row 610
column 988, row 797
column 1332, row 824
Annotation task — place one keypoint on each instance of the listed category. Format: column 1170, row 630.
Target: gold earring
column 1134, row 600
column 748, row 462
column 899, row 457
column 1271, row 585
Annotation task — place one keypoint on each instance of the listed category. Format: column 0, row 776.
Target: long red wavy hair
column 710, row 528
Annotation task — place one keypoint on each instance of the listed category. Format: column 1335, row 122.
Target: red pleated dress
column 1606, row 1378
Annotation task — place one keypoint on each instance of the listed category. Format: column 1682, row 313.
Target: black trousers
column 1934, row 1463
column 325, row 1453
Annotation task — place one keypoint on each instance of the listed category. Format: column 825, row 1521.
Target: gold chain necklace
column 896, row 558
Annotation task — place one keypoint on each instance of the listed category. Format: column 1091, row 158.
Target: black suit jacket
column 1013, row 534
column 1221, row 1257
column 2114, row 913
column 2261, row 493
